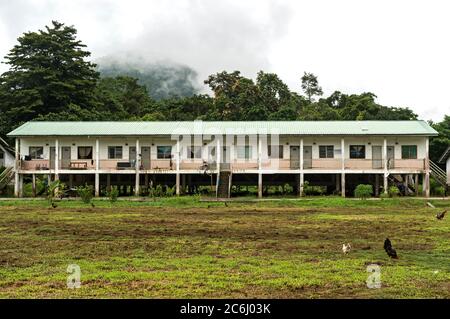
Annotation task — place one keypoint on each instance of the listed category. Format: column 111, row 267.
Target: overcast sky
column 399, row 50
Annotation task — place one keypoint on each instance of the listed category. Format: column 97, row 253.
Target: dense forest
column 51, row 78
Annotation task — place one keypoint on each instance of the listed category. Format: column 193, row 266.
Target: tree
column 48, row 72
column 310, row 86
column 439, row 144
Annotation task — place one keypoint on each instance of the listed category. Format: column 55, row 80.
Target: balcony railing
column 239, row 165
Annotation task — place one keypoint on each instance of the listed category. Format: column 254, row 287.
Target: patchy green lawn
column 183, row 248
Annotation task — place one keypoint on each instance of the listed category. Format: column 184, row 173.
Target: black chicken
column 389, row 250
column 54, row 205
column 92, row 204
column 441, row 215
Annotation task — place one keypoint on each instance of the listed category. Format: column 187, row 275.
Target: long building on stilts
column 337, row 155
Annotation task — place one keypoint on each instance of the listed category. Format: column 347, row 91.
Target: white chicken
column 346, row 248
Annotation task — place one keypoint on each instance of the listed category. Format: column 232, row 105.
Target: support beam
column 427, row 168
column 343, row 184
column 70, row 180
column 138, row 165
column 405, row 183
column 342, row 167
column 416, row 184
column 377, row 184
column 302, row 175
column 108, row 182
column 177, row 182
column 260, row 185
column 97, row 184
column 16, row 169
column 385, row 167
column 338, row 183
column 33, row 184
column 302, row 184
column 20, row 185
column 56, row 159
column 260, row 176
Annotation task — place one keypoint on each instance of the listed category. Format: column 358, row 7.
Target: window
column 36, row 152
column 357, row 151
column 326, row 151
column 194, row 152
column 115, row 152
column 164, row 152
column 244, row 152
column 84, row 152
column 275, row 151
column 409, row 151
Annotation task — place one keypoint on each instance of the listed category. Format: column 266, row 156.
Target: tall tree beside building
column 48, row 71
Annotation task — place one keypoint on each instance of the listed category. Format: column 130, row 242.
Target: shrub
column 55, row 190
column 439, row 191
column 363, row 191
column 313, row 190
column 113, row 193
column 86, row 193
column 170, row 191
column 384, row 195
column 393, row 191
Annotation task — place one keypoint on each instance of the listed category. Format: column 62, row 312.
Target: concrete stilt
column 302, row 184
column 177, row 182
column 33, row 184
column 416, row 184
column 377, row 185
column 97, row 185
column 260, row 185
column 343, row 184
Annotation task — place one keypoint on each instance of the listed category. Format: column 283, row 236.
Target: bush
column 86, row 193
column 55, row 190
column 384, row 195
column 170, row 191
column 393, row 191
column 113, row 193
column 363, row 191
column 313, row 190
column 439, row 191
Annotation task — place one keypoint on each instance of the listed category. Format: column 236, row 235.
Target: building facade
column 221, row 154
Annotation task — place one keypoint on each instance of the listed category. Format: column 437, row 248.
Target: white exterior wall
column 448, row 170
column 8, row 159
column 286, row 141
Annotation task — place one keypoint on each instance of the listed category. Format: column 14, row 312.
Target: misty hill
column 161, row 80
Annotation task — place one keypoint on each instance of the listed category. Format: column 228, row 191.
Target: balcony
column 236, row 165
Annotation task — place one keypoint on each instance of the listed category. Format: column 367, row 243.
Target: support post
column 177, row 182
column 97, row 184
column 405, row 183
column 56, row 159
column 108, row 182
column 16, row 170
column 427, row 168
column 302, row 175
column 338, row 183
column 137, row 180
column 416, row 184
column 343, row 167
column 218, row 160
column 377, row 184
column 385, row 167
column 20, row 185
column 260, row 177
column 71, row 181
column 33, row 184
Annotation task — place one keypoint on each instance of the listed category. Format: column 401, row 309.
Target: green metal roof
column 36, row 128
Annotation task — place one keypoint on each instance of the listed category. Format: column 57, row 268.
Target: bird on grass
column 226, row 205
column 389, row 250
column 54, row 205
column 346, row 248
column 92, row 204
column 441, row 215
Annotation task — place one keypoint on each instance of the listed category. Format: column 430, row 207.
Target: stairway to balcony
column 438, row 173
column 6, row 177
column 224, row 184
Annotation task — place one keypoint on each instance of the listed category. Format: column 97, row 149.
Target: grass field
column 183, row 248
